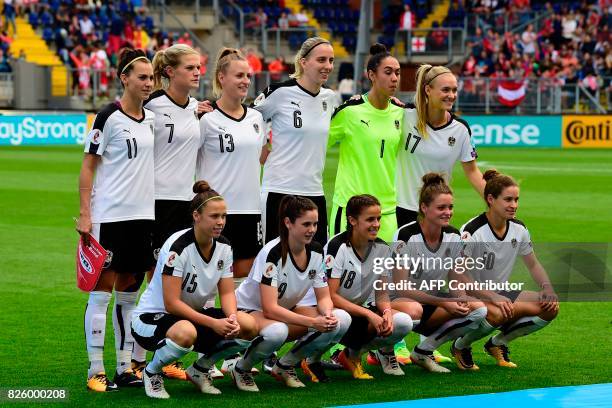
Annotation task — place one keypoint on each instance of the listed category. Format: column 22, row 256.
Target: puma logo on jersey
column 127, row 130
column 365, row 123
column 167, row 115
column 296, row 103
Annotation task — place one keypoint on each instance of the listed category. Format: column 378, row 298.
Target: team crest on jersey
column 256, row 127
column 465, row 236
column 269, row 270
column 156, row 253
column 329, row 261
column 312, row 273
column 513, row 242
column 220, row 265
column 95, row 135
column 171, row 261
column 260, row 98
column 108, row 259
column 397, row 123
column 451, row 141
column 324, row 103
column 399, row 246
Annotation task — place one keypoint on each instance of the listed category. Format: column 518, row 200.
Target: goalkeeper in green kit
column 369, row 130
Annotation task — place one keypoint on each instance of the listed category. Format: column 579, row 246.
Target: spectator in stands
column 100, row 65
column 476, row 41
column 469, row 66
column 5, row 66
column 302, row 18
column 86, row 26
column 186, row 39
column 569, row 24
column 407, row 19
column 141, row 38
column 283, row 21
column 528, row 40
column 438, row 39
column 277, row 68
column 346, row 87
column 257, row 20
column 9, row 16
column 254, row 61
column 115, row 34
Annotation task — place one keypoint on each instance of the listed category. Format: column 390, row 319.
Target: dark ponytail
column 355, row 206
column 127, row 56
column 292, row 207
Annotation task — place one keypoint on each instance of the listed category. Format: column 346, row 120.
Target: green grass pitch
column 565, row 196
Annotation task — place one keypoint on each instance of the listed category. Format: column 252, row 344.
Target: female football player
column 284, row 270
column 514, row 313
column 171, row 317
column 434, row 140
column 350, row 258
column 434, row 249
column 117, row 207
column 369, row 130
column 300, row 110
column 176, row 73
column 232, row 139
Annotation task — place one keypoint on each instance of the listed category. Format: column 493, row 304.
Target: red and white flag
column 511, row 93
column 418, row 44
column 90, row 261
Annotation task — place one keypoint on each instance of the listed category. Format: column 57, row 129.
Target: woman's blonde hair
column 224, row 59
column 303, row 52
column 170, row 57
column 425, row 76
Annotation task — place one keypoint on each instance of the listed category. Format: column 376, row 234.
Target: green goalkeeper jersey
column 369, row 139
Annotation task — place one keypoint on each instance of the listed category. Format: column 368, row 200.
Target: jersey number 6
column 297, row 119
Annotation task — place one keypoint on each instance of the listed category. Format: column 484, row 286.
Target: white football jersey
column 181, row 257
column 428, row 264
column 228, row 158
column 356, row 276
column 300, row 126
column 177, row 138
column 498, row 253
column 123, row 186
column 291, row 282
column 438, row 152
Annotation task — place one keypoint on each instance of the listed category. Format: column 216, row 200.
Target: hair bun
column 490, row 174
column 433, row 178
column 377, row 48
column 201, row 186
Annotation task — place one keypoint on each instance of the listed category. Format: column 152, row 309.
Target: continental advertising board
column 587, row 131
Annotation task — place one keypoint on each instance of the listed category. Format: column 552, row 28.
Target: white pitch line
column 564, row 169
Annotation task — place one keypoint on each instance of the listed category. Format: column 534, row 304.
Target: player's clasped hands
column 387, row 323
column 456, row 308
column 325, row 323
column 228, row 327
